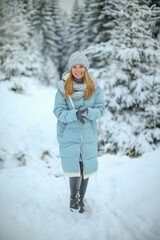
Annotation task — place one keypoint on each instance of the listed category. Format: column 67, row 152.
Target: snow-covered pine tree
column 131, row 81
column 74, row 33
column 14, row 37
column 44, row 35
column 19, row 55
column 152, row 111
column 56, row 48
column 64, row 44
column 96, row 22
column 97, row 27
column 85, row 24
column 27, row 8
column 156, row 28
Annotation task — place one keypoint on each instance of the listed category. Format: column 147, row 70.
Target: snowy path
column 122, row 200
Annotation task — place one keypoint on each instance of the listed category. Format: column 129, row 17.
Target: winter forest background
column 122, row 41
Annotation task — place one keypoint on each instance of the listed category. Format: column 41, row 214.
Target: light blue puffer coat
column 73, row 137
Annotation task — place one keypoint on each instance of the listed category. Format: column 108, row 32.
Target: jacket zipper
column 80, row 148
column 81, row 154
column 81, row 135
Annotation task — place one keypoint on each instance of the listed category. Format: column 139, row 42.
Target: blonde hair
column 69, row 90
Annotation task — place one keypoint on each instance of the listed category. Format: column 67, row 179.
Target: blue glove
column 82, row 115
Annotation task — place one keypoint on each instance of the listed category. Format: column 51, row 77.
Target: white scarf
column 80, row 89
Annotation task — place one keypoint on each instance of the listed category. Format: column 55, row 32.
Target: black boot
column 82, row 191
column 81, row 205
column 74, row 187
column 74, row 202
column 78, row 186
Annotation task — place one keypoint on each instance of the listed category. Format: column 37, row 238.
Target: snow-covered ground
column 122, row 200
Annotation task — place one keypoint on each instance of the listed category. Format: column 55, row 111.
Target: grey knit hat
column 78, row 58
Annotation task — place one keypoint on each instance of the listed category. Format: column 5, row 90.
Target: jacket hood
column 65, row 75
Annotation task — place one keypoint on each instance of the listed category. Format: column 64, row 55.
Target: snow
column 122, row 200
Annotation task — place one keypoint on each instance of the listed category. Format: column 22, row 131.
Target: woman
column 78, row 104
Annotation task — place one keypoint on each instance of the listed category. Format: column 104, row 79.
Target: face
column 78, row 71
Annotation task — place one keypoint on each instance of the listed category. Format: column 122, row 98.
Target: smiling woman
column 78, row 104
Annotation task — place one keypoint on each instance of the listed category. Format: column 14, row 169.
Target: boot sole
column 74, row 210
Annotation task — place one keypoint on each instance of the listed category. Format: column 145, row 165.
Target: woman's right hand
column 81, row 115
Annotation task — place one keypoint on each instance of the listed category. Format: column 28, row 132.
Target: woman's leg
column 84, row 183
column 74, row 185
column 78, row 187
column 82, row 190
column 74, row 188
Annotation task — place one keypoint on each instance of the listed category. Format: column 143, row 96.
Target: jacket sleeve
column 97, row 111
column 61, row 111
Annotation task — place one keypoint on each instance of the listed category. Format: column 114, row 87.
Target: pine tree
column 64, row 57
column 87, row 26
column 96, row 22
column 98, row 26
column 131, row 84
column 86, row 29
column 57, row 45
column 74, row 33
column 13, row 40
column 156, row 28
column 45, row 35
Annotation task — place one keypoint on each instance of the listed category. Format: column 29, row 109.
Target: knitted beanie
column 78, row 58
